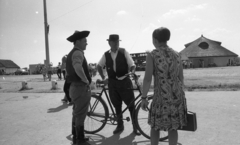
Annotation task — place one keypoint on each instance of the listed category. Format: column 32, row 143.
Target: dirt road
column 41, row 119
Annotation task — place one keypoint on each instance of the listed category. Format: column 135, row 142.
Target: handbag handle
column 190, row 112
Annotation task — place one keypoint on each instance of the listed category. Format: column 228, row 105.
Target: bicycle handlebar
column 133, row 75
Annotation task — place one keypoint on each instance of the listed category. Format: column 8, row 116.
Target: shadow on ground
column 57, row 109
column 115, row 139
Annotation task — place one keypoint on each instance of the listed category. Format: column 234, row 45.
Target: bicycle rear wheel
column 97, row 115
column 141, row 118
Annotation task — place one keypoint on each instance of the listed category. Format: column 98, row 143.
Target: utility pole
column 46, row 33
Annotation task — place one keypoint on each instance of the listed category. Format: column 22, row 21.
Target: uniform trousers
column 80, row 94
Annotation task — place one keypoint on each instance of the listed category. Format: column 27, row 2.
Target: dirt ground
column 42, row 119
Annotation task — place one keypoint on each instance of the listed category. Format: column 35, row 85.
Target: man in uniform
column 118, row 63
column 79, row 77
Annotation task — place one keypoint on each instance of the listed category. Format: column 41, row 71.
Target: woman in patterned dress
column 168, row 108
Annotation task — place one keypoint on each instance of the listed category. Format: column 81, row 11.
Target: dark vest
column 121, row 64
column 71, row 74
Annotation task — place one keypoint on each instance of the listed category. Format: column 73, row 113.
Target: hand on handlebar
column 104, row 82
column 126, row 75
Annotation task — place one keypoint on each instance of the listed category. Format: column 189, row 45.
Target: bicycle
column 98, row 113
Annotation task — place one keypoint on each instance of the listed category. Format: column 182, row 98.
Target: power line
column 137, row 37
column 70, row 11
column 139, row 28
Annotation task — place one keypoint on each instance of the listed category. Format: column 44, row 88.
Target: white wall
column 219, row 61
column 222, row 61
column 10, row 70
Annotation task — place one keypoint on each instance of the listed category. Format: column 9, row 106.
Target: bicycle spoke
column 142, row 122
column 93, row 107
column 97, row 115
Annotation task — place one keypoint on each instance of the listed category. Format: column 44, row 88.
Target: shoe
column 118, row 129
column 70, row 103
column 74, row 139
column 83, row 143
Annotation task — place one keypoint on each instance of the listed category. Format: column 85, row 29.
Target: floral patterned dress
column 168, row 108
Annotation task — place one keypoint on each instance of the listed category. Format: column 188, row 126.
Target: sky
column 22, row 36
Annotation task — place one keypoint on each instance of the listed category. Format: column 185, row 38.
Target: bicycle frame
column 104, row 90
column 101, row 113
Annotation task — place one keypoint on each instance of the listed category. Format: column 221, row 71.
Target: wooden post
column 54, row 85
column 24, row 85
column 46, row 26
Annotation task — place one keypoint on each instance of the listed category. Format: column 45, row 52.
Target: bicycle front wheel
column 97, row 115
column 141, row 118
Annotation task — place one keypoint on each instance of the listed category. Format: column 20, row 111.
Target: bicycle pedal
column 128, row 119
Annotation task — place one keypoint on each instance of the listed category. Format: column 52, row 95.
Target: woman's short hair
column 162, row 34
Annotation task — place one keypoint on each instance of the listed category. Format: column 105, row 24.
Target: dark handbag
column 191, row 122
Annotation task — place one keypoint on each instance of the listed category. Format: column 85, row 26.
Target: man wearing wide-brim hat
column 118, row 63
column 79, row 77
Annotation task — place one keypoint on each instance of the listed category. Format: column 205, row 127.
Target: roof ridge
column 8, row 63
column 212, row 48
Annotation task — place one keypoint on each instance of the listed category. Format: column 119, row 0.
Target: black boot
column 85, row 138
column 80, row 136
column 119, row 128
column 74, row 137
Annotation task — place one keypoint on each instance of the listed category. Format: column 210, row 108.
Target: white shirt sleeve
column 102, row 61
column 130, row 61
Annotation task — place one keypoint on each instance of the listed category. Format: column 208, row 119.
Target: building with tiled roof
column 8, row 66
column 204, row 52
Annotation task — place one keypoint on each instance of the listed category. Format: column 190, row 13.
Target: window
column 203, row 45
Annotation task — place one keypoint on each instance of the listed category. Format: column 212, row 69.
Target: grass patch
column 210, row 79
column 200, row 79
column 227, row 87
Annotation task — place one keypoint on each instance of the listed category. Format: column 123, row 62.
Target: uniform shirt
column 129, row 59
column 77, row 60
